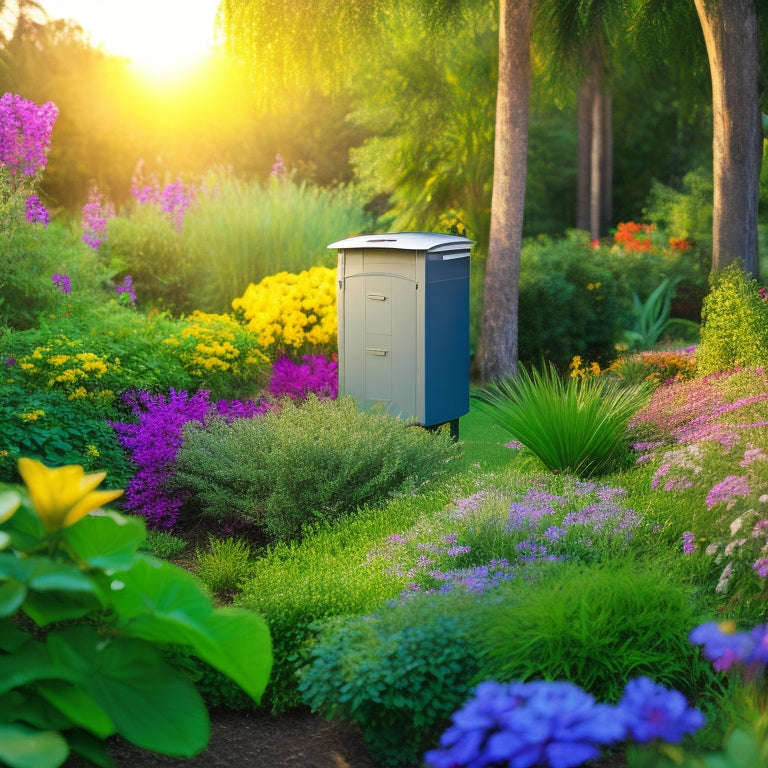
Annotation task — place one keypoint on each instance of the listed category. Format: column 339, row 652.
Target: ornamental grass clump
column 577, row 426
column 597, row 627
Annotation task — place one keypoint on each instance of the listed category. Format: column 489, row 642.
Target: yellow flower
column 32, row 415
column 64, row 495
column 92, row 450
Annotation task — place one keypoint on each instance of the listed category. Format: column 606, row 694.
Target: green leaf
column 23, row 747
column 107, row 540
column 12, row 594
column 174, row 609
column 29, row 663
column 89, row 747
column 150, row 703
column 81, row 709
column 11, row 637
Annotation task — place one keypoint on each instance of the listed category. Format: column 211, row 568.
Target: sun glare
column 164, row 39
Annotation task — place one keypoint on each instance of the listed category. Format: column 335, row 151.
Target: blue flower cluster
column 557, row 724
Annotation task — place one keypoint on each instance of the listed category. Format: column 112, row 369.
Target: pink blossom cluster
column 96, row 214
column 714, row 432
column 173, row 199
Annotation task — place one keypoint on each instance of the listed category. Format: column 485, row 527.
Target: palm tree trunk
column 498, row 343
column 732, row 37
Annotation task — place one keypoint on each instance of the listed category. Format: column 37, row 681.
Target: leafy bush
column 147, row 246
column 84, row 621
column 164, row 544
column 304, row 464
column 594, row 627
column 224, row 567
column 734, row 331
column 573, row 301
column 577, row 426
column 48, row 426
column 655, row 367
column 397, row 674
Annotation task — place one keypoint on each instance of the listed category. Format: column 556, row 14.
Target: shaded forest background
column 111, row 120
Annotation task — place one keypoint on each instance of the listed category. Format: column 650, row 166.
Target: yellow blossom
column 32, row 415
column 63, row 495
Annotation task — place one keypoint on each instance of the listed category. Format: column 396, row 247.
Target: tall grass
column 240, row 233
column 577, row 425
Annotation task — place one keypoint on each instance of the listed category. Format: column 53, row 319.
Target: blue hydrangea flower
column 651, row 711
column 522, row 725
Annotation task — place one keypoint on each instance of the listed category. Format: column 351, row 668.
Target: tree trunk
column 731, row 35
column 498, row 344
column 594, row 197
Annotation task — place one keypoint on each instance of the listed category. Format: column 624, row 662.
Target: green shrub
column 148, row 247
column 29, row 256
column 734, row 331
column 225, row 566
column 577, row 426
column 48, row 426
column 305, row 464
column 330, row 573
column 164, row 544
column 595, row 627
column 398, row 674
column 573, row 301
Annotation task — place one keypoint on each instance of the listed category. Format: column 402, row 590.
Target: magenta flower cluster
column 126, row 289
column 557, row 724
column 25, row 136
column 173, row 199
column 316, row 374
column 96, row 214
column 35, row 212
column 62, row 282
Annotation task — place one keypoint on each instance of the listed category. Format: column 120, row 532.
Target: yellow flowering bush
column 655, row 367
column 292, row 313
column 64, row 365
column 220, row 352
column 580, row 370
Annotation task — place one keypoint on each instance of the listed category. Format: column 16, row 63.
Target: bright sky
column 162, row 37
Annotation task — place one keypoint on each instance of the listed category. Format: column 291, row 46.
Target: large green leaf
column 106, row 540
column 150, row 703
column 55, row 591
column 25, row 528
column 88, row 746
column 23, row 747
column 175, row 609
column 155, row 587
column 29, row 663
column 78, row 705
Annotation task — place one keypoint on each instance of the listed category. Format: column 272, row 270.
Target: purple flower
column 722, row 644
column 36, row 212
column 689, row 543
column 316, row 375
column 727, row 490
column 526, row 724
column 96, row 214
column 760, row 566
column 25, row 136
column 62, row 282
column 651, row 711
column 127, row 288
